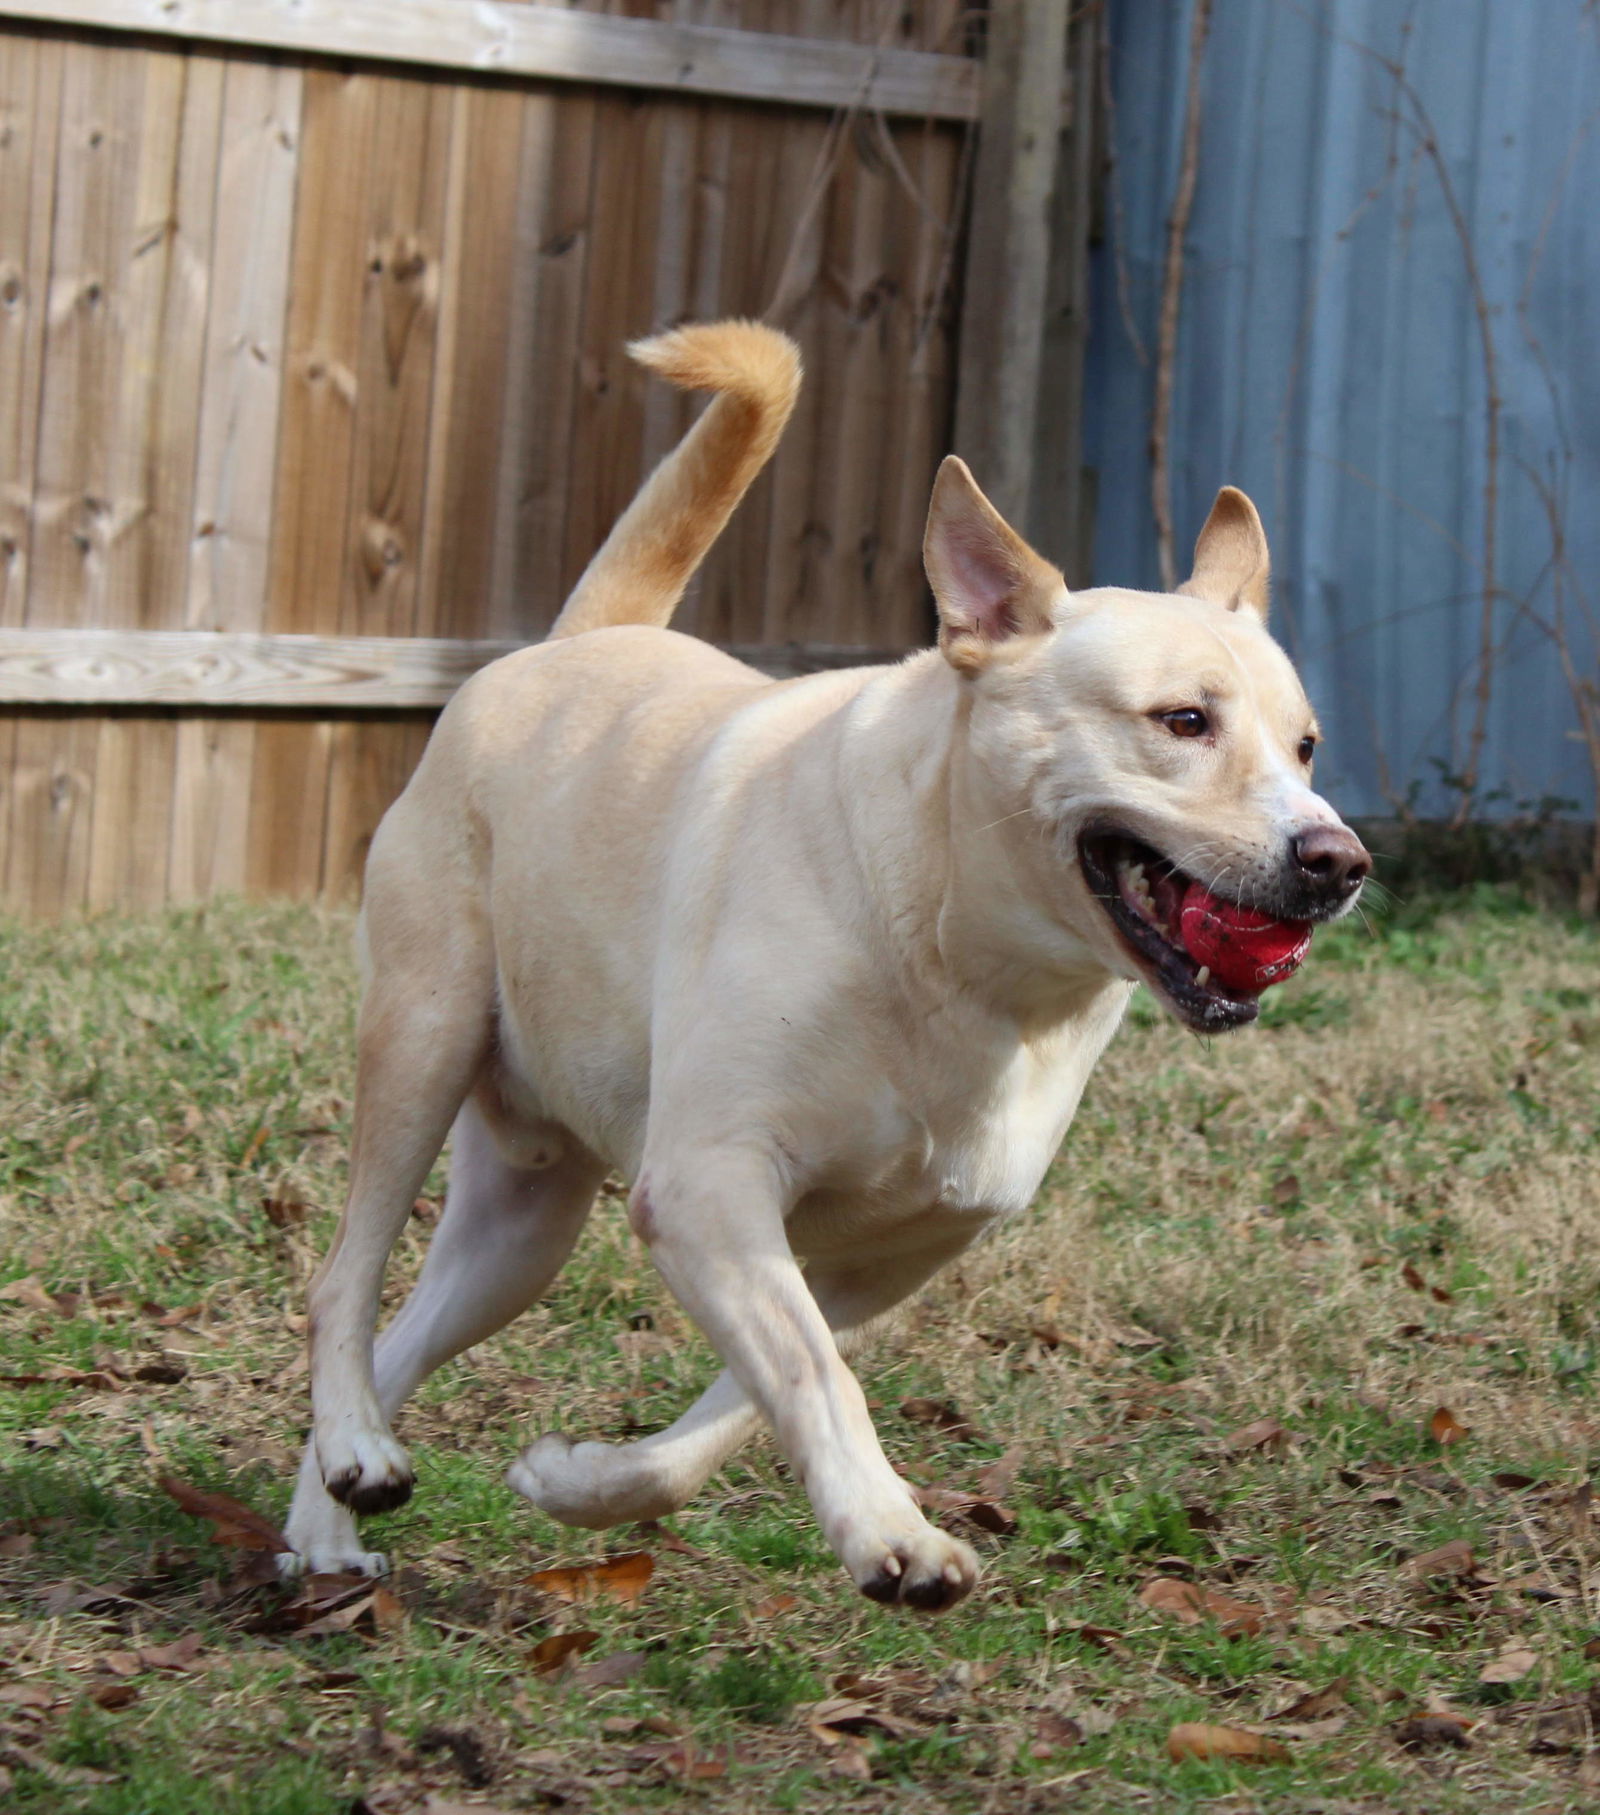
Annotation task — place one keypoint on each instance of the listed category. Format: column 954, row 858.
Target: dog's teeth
column 1203, row 976
column 1136, row 874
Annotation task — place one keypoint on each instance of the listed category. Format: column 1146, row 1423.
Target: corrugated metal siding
column 1329, row 356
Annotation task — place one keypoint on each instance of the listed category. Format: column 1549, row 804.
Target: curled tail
column 640, row 572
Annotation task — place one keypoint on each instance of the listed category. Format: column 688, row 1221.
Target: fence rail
column 555, row 43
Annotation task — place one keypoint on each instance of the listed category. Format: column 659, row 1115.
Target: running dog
column 821, row 965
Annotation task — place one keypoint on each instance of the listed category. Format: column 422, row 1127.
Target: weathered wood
column 30, row 99
column 1008, row 250
column 212, row 669
column 494, row 38
column 241, row 387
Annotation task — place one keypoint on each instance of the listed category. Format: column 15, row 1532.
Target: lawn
column 1275, row 1414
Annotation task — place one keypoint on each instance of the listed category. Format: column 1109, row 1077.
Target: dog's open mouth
column 1210, row 957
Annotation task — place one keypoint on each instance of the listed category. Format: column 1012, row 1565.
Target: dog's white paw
column 926, row 1568
column 366, row 1470
column 590, row 1484
column 331, row 1560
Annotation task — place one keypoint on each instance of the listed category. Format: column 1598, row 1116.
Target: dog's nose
column 1331, row 859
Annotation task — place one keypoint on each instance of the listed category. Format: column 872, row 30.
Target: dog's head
column 1146, row 749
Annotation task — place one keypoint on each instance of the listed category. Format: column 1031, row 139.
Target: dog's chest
column 973, row 1152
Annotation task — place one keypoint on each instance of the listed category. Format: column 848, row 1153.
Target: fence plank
column 404, row 233
column 242, row 384
column 494, row 38
column 206, row 670
column 30, row 96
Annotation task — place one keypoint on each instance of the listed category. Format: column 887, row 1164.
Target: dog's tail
column 650, row 556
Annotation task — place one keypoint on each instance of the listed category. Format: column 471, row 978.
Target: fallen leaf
column 18, row 1544
column 1053, row 1732
column 232, row 1522
column 622, row 1578
column 1510, row 1665
column 944, row 1416
column 830, row 1720
column 1265, row 1434
column 466, row 1751
column 986, row 1515
column 1198, row 1739
column 31, row 1292
column 998, row 1479
column 551, row 1653
column 1190, row 1603
column 1445, row 1427
column 1315, row 1702
column 611, row 1671
column 27, row 1695
column 179, row 1655
column 1427, row 1732
column 1452, row 1559
column 774, row 1605
column 116, row 1695
column 284, row 1212
column 851, row 1760
column 1413, row 1278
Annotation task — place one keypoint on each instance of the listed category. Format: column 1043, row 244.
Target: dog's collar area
column 1142, row 893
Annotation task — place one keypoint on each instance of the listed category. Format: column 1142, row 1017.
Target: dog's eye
column 1186, row 721
column 1308, row 749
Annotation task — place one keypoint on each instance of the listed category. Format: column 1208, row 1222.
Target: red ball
column 1245, row 950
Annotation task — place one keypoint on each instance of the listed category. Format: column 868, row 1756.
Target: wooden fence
column 312, row 390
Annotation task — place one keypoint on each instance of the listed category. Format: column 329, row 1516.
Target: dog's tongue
column 1243, row 949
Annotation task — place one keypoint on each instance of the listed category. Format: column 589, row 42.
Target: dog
column 822, row 965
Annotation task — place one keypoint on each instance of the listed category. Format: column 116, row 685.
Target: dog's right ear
column 988, row 584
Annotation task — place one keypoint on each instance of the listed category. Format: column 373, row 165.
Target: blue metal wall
column 1329, row 357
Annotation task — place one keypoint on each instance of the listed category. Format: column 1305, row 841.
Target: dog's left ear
column 990, row 587
column 1230, row 557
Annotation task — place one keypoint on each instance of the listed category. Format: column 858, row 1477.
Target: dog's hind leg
column 602, row 1484
column 505, row 1233
column 422, row 1038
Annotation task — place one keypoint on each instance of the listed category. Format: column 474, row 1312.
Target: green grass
column 1380, row 1202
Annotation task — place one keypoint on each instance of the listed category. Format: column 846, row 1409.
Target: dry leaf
column 18, row 1544
column 31, row 1292
column 116, row 1695
column 1452, row 1559
column 1190, row 1603
column 1264, row 1434
column 608, row 1672
column 1054, row 1732
column 179, row 1655
column 830, row 1720
column 1426, row 1732
column 231, row 1521
column 621, row 1578
column 774, row 1605
column 1413, row 1278
column 550, row 1654
column 1511, row 1665
column 944, row 1416
column 1315, row 1702
column 1197, row 1739
column 998, row 1479
column 1445, row 1427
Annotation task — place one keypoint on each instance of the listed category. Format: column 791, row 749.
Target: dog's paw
column 928, row 1570
column 592, row 1485
column 367, row 1471
column 331, row 1560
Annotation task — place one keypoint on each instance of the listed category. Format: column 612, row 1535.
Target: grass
column 1380, row 1203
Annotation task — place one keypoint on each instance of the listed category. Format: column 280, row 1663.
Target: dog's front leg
column 713, row 1220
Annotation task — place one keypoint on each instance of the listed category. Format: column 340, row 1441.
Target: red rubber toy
column 1245, row 950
